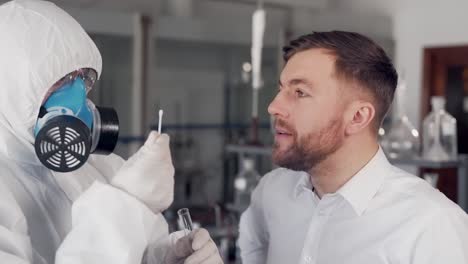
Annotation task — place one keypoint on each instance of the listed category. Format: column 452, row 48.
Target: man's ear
column 360, row 115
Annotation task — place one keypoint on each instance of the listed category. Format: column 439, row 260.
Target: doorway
column 446, row 74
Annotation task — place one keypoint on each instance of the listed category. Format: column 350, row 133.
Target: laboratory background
column 213, row 67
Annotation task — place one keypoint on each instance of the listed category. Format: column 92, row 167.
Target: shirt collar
column 303, row 185
column 360, row 189
column 363, row 186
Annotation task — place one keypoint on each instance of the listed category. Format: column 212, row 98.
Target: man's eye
column 300, row 93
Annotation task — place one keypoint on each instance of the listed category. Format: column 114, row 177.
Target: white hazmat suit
column 101, row 213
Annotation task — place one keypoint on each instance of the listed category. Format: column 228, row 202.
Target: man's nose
column 277, row 107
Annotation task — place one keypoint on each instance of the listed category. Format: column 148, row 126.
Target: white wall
column 367, row 23
column 376, row 7
column 225, row 22
column 222, row 22
column 419, row 24
column 104, row 22
column 379, row 27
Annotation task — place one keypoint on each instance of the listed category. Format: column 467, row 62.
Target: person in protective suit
column 59, row 202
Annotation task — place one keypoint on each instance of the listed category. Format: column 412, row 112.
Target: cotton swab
column 160, row 120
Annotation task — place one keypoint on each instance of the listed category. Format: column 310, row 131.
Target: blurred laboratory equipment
column 381, row 132
column 185, row 220
column 401, row 140
column 439, row 133
column 258, row 30
column 432, row 178
column 244, row 184
column 246, row 72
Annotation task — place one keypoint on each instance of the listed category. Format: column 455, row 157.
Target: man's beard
column 308, row 151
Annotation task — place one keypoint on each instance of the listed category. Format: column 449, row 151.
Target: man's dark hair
column 358, row 59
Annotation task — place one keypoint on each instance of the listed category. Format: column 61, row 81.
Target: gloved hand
column 149, row 174
column 195, row 248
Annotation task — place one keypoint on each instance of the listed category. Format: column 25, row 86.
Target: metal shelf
column 246, row 149
column 419, row 162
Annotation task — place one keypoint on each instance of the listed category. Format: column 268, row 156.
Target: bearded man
column 336, row 199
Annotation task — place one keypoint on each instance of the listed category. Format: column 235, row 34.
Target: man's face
column 308, row 111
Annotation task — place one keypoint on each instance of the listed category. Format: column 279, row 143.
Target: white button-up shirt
column 381, row 215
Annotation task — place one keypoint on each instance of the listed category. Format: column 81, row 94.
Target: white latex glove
column 195, row 248
column 149, row 174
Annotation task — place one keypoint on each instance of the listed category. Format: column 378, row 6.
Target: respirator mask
column 70, row 127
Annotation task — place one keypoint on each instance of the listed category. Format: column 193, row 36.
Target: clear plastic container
column 440, row 133
column 245, row 183
column 401, row 139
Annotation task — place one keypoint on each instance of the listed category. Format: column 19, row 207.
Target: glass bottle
column 245, row 183
column 401, row 139
column 440, row 133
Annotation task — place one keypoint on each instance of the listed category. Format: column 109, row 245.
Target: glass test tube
column 185, row 219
